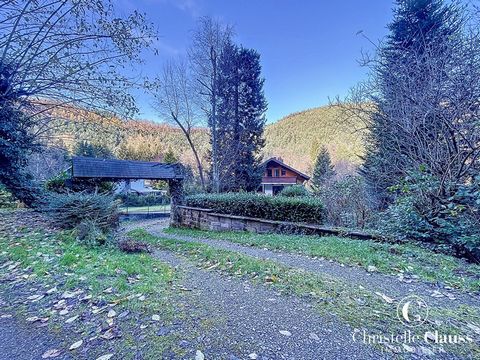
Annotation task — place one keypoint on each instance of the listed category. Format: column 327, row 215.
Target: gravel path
column 19, row 342
column 355, row 275
column 244, row 321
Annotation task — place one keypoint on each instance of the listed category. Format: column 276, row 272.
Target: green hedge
column 295, row 209
column 132, row 199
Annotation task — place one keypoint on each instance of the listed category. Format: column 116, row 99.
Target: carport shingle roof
column 85, row 167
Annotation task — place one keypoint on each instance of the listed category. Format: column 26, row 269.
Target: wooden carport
column 118, row 170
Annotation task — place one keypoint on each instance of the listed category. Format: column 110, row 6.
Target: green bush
column 295, row 209
column 6, row 199
column 294, row 191
column 63, row 183
column 451, row 222
column 346, row 202
column 132, row 199
column 94, row 216
column 88, row 233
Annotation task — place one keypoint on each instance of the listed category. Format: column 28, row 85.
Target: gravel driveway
column 355, row 275
column 248, row 322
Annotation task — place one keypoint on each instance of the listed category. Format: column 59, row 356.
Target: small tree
column 87, row 149
column 323, row 170
column 16, row 145
column 170, row 157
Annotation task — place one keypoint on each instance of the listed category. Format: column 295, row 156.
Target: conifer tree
column 241, row 118
column 323, row 170
column 169, row 157
column 412, row 78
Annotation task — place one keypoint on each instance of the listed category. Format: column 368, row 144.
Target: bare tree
column 64, row 52
column 60, row 53
column 175, row 101
column 208, row 42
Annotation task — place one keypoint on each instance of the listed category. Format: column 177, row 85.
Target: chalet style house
column 279, row 175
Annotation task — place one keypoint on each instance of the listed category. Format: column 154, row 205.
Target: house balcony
column 279, row 180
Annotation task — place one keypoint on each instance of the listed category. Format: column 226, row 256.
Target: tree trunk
column 197, row 159
column 215, row 168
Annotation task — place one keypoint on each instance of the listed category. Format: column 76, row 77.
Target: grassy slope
column 56, row 260
column 387, row 258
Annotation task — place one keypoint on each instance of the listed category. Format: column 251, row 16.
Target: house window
column 284, row 172
column 269, row 172
column 277, row 173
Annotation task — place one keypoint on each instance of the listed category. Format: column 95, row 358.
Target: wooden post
column 177, row 197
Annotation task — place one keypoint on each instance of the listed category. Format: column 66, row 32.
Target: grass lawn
column 357, row 306
column 387, row 258
column 49, row 264
column 146, row 209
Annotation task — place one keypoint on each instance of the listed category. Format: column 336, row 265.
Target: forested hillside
column 132, row 139
column 298, row 137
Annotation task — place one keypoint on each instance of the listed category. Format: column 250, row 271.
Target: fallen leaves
column 76, row 345
column 110, row 334
column 37, row 297
column 199, row 355
column 70, row 295
column 36, row 318
column 71, row 320
column 385, row 298
column 475, row 328
column 52, row 353
column 105, row 357
column 285, row 332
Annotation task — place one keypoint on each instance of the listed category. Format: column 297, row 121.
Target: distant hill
column 131, row 139
column 298, row 137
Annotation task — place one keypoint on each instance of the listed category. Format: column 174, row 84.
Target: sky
column 309, row 48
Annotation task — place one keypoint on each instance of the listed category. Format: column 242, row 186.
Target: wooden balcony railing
column 279, row 180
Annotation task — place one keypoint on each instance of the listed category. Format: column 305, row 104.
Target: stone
column 199, row 355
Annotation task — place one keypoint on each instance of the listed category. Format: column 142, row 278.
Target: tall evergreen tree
column 323, row 170
column 409, row 92
column 241, row 118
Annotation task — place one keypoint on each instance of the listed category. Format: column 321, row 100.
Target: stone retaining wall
column 207, row 219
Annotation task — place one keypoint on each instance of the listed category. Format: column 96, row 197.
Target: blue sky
column 309, row 49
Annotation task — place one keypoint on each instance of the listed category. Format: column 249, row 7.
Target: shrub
column 89, row 233
column 129, row 245
column 295, row 209
column 132, row 199
column 6, row 198
column 449, row 222
column 94, row 216
column 63, row 183
column 346, row 202
column 294, row 191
